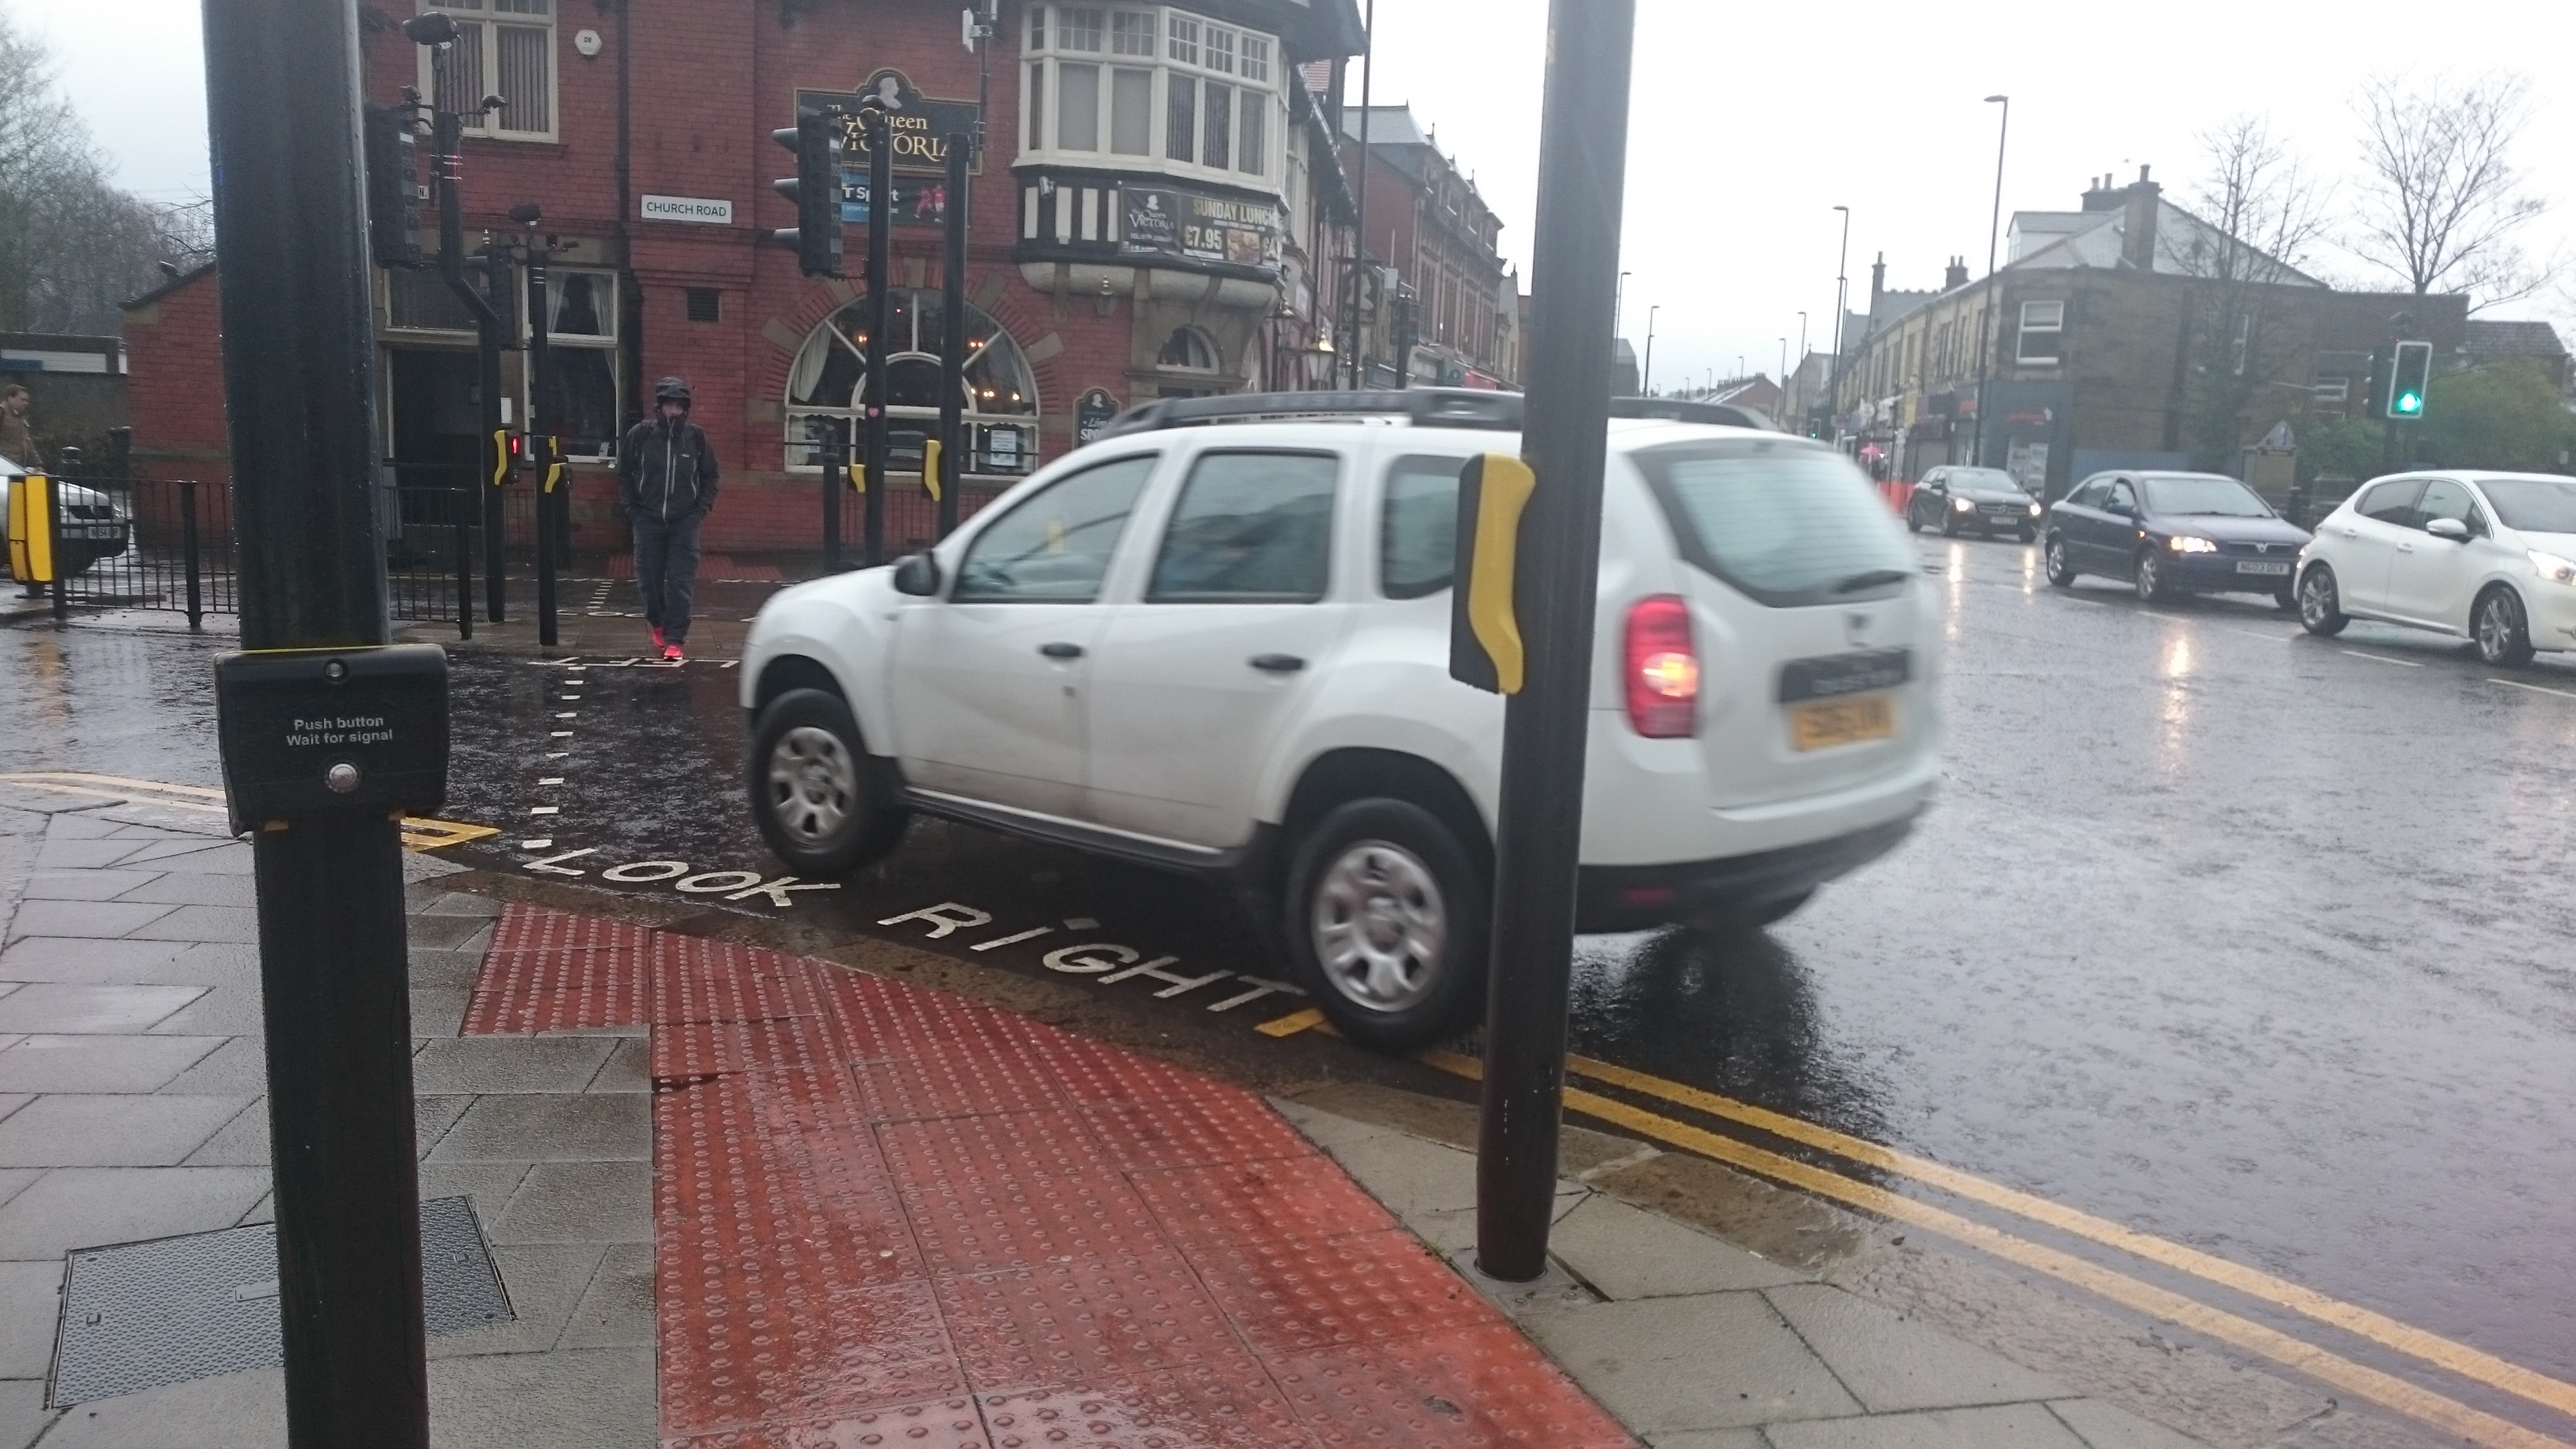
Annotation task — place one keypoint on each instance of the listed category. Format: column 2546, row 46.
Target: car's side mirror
column 2450, row 528
column 918, row 575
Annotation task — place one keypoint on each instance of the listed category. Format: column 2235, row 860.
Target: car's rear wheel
column 2029, row 534
column 819, row 801
column 2503, row 631
column 2061, row 567
column 2152, row 588
column 2320, row 605
column 1387, row 920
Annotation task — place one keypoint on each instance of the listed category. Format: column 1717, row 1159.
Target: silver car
column 94, row 525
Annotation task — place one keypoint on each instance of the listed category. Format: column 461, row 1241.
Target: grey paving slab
column 461, row 903
column 1327, row 1130
column 1626, row 1252
column 14, row 1180
column 203, row 923
column 490, row 1184
column 67, row 826
column 600, row 1127
column 83, row 918
column 509, row 1064
column 571, row 1399
column 226, row 859
column 1709, row 1439
column 85, row 1007
column 84, row 958
column 439, row 1010
column 1715, row 1361
column 616, row 1310
column 242, row 1141
column 431, row 1117
column 63, row 854
column 73, row 1129
column 195, row 849
column 187, row 888
column 579, row 1202
column 430, row 967
column 444, row 933
column 30, row 1301
column 245, row 1410
column 1891, row 1363
column 545, row 1281
column 80, row 1207
column 23, row 1414
column 239, row 1065
column 629, row 1068
column 1552, row 1288
column 2108, row 1426
column 229, row 1010
column 2011, row 1426
column 86, row 885
column 212, row 963
column 47, row 1063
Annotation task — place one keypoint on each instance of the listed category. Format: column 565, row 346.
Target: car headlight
column 2036, row 510
column 1963, row 505
column 2185, row 543
column 2553, row 568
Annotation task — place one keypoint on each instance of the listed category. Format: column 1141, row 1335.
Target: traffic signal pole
column 952, row 345
column 299, row 367
column 1582, row 182
column 880, row 133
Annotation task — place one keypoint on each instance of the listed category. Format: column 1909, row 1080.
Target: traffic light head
column 816, row 190
column 393, row 187
column 2409, row 378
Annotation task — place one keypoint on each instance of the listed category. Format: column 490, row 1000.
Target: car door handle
column 1277, row 663
column 2405, row 548
column 1061, row 651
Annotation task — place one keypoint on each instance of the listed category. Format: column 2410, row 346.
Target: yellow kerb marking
column 1293, row 1023
column 417, row 834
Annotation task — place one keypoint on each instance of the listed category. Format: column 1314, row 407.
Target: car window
column 2094, row 493
column 1251, row 528
column 1784, row 523
column 2392, row 501
column 1055, row 548
column 1418, row 530
column 2446, row 499
column 2207, row 497
column 1994, row 480
column 1935, row 478
column 2122, row 495
column 2534, row 505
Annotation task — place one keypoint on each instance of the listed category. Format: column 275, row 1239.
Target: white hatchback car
column 1225, row 650
column 2487, row 556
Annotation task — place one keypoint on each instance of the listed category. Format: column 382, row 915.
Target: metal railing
column 143, row 543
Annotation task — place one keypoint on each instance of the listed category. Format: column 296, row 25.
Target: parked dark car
column 2172, row 534
column 1972, row 500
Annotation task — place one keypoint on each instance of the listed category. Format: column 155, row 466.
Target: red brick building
column 1454, row 315
column 1145, row 222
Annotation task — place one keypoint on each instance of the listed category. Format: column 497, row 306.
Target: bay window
column 1106, row 85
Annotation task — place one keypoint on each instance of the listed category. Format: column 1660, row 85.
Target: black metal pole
column 490, row 338
column 952, row 343
column 833, row 449
column 880, row 319
column 539, row 455
column 1582, row 169
column 190, row 556
column 299, row 368
column 54, row 547
column 462, row 503
column 1359, row 221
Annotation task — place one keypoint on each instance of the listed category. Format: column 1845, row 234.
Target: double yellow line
column 2387, row 1390
column 417, row 833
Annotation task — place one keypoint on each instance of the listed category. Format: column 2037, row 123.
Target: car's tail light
column 1662, row 669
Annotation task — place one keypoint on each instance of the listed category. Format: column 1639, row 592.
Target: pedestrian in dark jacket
column 666, row 480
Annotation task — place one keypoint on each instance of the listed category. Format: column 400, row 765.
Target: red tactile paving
column 885, row 1216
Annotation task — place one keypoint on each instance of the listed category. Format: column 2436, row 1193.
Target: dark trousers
column 666, row 572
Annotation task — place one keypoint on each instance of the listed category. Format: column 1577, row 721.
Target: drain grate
column 140, row 1315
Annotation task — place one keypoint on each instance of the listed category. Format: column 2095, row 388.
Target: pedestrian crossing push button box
column 332, row 731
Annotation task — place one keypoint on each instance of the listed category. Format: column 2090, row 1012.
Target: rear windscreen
column 1784, row 523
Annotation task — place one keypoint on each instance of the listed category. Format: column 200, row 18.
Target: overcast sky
column 1750, row 123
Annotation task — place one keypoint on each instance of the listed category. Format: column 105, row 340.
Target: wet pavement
column 2248, row 940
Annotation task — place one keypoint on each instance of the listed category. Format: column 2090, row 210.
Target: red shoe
column 672, row 653
column 658, row 640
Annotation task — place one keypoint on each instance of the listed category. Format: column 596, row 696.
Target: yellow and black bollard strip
column 31, row 530
column 1484, row 633
column 551, row 455
column 930, row 455
column 858, row 477
column 501, row 457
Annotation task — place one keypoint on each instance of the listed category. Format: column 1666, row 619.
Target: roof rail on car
column 1684, row 410
column 1422, row 407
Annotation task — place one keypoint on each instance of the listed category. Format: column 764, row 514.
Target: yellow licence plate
column 1821, row 724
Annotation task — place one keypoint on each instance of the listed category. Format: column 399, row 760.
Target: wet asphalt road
column 2257, row 942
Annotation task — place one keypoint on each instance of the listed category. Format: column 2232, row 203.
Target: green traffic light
column 2410, row 403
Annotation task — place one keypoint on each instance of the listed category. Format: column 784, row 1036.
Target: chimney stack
column 1877, row 282
column 2100, row 196
column 1957, row 276
column 2141, row 202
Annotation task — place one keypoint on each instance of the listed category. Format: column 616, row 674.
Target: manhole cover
column 140, row 1315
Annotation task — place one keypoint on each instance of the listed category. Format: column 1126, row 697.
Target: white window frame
column 1189, row 48
column 482, row 19
column 556, row 278
column 2053, row 330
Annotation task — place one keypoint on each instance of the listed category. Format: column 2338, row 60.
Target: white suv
column 1225, row 650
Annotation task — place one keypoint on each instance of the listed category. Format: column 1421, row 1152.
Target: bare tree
column 72, row 244
column 2259, row 214
column 2440, row 205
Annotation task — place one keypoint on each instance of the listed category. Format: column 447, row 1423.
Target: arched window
column 1189, row 350
column 829, row 380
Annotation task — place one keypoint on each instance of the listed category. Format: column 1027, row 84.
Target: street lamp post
column 1646, row 384
column 1985, row 310
column 1834, row 377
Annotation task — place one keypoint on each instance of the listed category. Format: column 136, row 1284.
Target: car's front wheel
column 818, row 800
column 2320, row 605
column 1913, row 517
column 2503, row 632
column 1387, row 920
column 2152, row 588
column 2061, row 566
